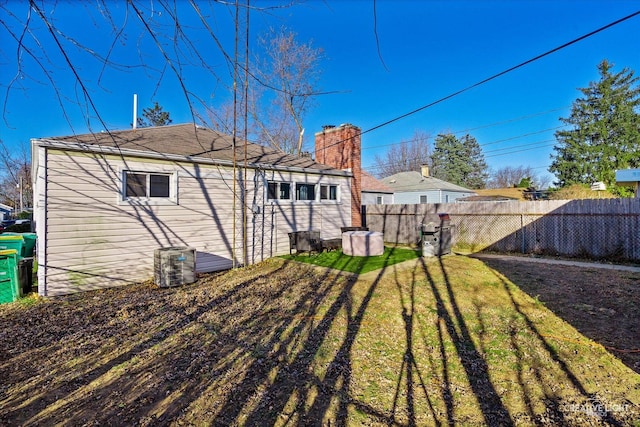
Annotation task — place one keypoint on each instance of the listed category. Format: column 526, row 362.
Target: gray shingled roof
column 189, row 141
column 414, row 181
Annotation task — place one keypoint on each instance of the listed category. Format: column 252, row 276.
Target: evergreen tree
column 459, row 161
column 154, row 117
column 604, row 132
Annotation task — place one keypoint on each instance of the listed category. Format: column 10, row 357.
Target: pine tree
column 459, row 161
column 154, row 117
column 604, row 133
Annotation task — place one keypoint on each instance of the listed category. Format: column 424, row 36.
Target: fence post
column 524, row 238
column 363, row 215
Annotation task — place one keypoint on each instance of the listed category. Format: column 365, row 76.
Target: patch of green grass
column 282, row 343
column 356, row 264
column 29, row 300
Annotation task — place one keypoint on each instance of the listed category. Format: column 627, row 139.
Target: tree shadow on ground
column 275, row 344
column 602, row 304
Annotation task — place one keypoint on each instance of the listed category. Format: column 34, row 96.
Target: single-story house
column 375, row 192
column 104, row 202
column 419, row 187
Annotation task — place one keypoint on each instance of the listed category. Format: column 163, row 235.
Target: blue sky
column 427, row 50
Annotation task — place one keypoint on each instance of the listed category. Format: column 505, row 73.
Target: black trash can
column 25, row 275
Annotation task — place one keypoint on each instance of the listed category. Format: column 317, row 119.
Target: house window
column 423, row 199
column 272, row 190
column 279, row 191
column 328, row 192
column 140, row 185
column 379, row 200
column 446, row 198
column 285, row 191
column 305, row 192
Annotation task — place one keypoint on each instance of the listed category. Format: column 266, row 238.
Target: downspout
column 45, row 226
column 39, row 180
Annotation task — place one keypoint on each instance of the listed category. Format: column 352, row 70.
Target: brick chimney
column 339, row 147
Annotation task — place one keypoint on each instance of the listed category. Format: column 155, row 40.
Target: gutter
column 49, row 143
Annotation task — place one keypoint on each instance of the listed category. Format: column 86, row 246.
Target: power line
column 519, row 151
column 529, row 144
column 495, row 76
column 511, row 138
column 467, row 130
column 522, row 136
column 497, row 152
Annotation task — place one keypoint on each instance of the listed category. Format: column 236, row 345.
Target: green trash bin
column 12, row 242
column 28, row 248
column 9, row 290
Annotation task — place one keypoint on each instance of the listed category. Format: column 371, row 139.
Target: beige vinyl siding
column 96, row 240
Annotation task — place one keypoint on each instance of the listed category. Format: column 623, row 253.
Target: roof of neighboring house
column 414, row 181
column 508, row 192
column 486, row 199
column 186, row 141
column 372, row 185
column 4, row 207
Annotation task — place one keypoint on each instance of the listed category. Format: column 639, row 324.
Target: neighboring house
column 5, row 211
column 416, row 187
column 629, row 178
column 104, row 202
column 375, row 192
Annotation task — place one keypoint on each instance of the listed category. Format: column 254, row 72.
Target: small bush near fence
column 596, row 229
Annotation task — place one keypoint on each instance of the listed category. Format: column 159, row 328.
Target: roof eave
column 101, row 149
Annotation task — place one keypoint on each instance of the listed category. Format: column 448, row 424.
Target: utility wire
column 493, row 77
column 484, row 144
column 496, row 152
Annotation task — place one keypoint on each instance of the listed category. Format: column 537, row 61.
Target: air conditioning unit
column 174, row 266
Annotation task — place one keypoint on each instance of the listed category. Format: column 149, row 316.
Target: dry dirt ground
column 242, row 348
column 603, row 304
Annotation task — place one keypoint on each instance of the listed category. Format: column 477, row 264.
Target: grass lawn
column 435, row 342
column 356, row 264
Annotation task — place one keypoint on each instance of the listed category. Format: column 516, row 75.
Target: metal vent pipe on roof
column 135, row 110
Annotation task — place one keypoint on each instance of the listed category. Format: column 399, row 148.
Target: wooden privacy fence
column 598, row 229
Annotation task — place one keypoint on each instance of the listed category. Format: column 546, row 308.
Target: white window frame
column 425, row 198
column 279, row 191
column 316, row 194
column 379, row 200
column 294, row 192
column 172, row 199
column 327, row 188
